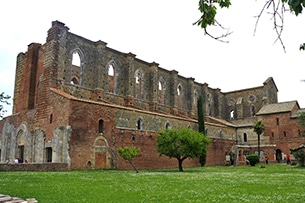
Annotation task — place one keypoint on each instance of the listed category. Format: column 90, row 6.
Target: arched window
column 76, row 69
column 111, row 78
column 179, row 96
column 253, row 110
column 245, row 137
column 140, row 124
column 232, row 114
column 195, row 100
column 100, row 126
column 139, row 84
column 168, row 126
column 161, row 91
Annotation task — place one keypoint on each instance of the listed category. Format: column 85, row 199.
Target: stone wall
column 34, row 167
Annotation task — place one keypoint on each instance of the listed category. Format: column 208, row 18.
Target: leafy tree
column 181, row 144
column 3, row 99
column 253, row 159
column 128, row 153
column 259, row 128
column 276, row 8
column 299, row 154
column 201, row 127
column 200, row 113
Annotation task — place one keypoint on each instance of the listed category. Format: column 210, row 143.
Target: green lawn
column 274, row 183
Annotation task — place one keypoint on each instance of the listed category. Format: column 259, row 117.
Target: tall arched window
column 139, row 84
column 111, row 78
column 140, row 124
column 179, row 96
column 161, row 91
column 195, row 100
column 100, row 126
column 245, row 137
column 76, row 69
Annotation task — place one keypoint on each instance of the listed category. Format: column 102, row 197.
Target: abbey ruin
column 76, row 116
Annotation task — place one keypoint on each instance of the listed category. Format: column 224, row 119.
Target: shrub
column 253, row 159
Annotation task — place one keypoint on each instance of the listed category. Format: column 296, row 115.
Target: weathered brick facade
column 80, row 114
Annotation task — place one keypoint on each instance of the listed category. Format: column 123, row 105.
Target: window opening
column 111, row 78
column 21, row 153
column 167, row 126
column 284, row 133
column 100, row 126
column 139, row 84
column 49, row 154
column 252, row 110
column 75, row 69
column 232, row 114
column 161, row 91
column 245, row 137
column 277, row 121
column 140, row 124
column 179, row 98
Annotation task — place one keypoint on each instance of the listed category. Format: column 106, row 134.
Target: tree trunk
column 180, row 164
column 134, row 167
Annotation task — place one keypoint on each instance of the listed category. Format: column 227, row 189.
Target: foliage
column 3, row 99
column 253, row 159
column 201, row 127
column 275, row 183
column 208, row 10
column 200, row 113
column 299, row 154
column 128, row 153
column 259, row 127
column 181, row 144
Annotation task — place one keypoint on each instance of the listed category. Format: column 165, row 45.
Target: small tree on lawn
column 181, row 144
column 128, row 153
column 259, row 128
column 299, row 154
column 201, row 127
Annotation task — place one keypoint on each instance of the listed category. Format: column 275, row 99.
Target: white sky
column 162, row 31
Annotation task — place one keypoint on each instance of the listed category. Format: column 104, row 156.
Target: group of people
column 20, row 161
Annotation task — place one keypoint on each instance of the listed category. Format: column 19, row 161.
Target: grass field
column 274, row 183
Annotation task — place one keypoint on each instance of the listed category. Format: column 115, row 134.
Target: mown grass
column 274, row 183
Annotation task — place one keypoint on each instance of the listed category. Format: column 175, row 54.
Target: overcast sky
column 162, row 31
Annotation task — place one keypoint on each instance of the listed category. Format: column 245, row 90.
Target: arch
column 111, row 76
column 161, row 90
column 76, row 70
column 140, row 123
column 252, row 110
column 209, row 104
column 21, row 141
column 168, row 125
column 139, row 83
column 232, row 114
column 101, row 126
column 100, row 153
column 195, row 99
column 179, row 95
column 278, row 155
column 245, row 137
